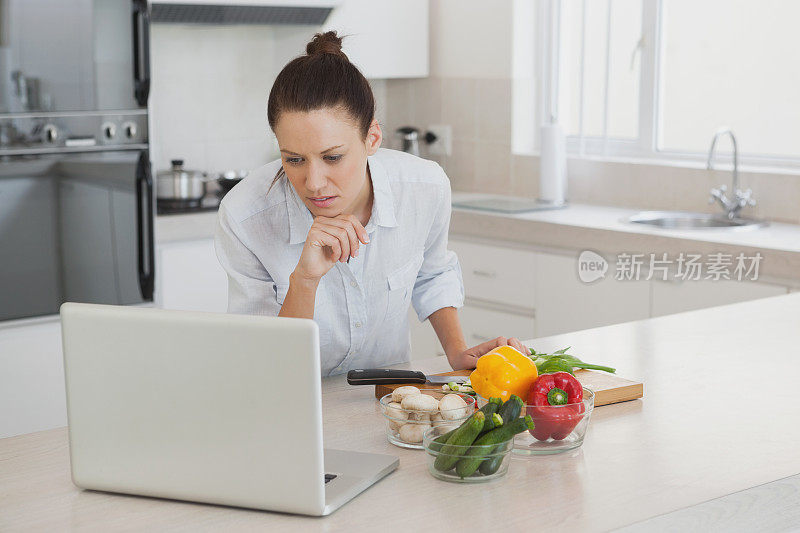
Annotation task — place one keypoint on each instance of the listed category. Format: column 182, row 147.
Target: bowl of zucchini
column 477, row 450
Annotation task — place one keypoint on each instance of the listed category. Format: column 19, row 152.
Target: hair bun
column 325, row 43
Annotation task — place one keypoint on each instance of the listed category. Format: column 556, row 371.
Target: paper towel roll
column 552, row 165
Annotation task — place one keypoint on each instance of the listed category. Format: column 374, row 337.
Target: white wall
column 209, row 92
column 208, row 97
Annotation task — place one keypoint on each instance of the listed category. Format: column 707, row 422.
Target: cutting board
column 608, row 388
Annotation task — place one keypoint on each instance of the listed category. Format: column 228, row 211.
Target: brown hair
column 323, row 78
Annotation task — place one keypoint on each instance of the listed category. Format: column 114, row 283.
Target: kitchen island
column 719, row 416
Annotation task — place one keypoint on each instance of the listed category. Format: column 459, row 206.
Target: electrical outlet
column 443, row 145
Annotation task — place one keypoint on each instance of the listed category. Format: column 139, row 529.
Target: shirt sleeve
column 251, row 289
column 439, row 282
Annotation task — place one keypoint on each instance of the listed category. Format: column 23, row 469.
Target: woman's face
column 325, row 159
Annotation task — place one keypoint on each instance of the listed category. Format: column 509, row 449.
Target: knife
column 378, row 376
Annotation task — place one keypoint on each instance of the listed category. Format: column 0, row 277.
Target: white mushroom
column 397, row 416
column 420, row 402
column 453, row 407
column 437, row 420
column 419, row 416
column 401, row 392
column 412, row 432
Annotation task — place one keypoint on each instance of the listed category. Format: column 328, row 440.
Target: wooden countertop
column 719, row 415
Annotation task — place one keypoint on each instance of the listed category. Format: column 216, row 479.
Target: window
column 657, row 78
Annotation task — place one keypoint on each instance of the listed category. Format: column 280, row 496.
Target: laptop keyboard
column 329, row 477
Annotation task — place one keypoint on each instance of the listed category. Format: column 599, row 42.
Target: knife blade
column 378, row 376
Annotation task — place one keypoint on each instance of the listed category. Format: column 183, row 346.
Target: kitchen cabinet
column 32, row 396
column 483, row 324
column 507, row 287
column 522, row 284
column 498, row 283
column 424, row 342
column 497, row 274
column 479, row 323
column 676, row 296
column 565, row 303
column 384, row 38
column 190, row 277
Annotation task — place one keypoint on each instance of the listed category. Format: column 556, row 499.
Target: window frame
column 646, row 146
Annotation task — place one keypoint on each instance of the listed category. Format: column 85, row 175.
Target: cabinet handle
column 485, row 273
column 141, row 52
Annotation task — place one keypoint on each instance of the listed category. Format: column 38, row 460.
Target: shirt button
column 358, row 324
column 353, row 284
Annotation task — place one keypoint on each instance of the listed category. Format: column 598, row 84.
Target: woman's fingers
column 323, row 238
column 347, row 226
column 488, row 346
column 324, row 225
column 516, row 343
column 341, row 235
column 358, row 227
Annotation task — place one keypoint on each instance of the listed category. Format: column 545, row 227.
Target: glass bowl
column 418, row 421
column 444, row 461
column 558, row 428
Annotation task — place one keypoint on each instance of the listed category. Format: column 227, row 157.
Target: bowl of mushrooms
column 410, row 411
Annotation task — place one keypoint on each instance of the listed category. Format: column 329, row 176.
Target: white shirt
column 362, row 307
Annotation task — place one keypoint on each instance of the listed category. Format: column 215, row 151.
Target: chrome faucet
column 740, row 199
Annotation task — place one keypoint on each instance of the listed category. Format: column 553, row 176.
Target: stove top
column 210, row 202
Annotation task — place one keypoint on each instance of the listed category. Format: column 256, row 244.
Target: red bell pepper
column 555, row 403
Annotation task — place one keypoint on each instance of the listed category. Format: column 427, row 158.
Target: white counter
column 605, row 230
column 575, row 228
column 719, row 415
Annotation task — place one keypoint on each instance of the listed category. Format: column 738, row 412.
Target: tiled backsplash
column 481, row 156
column 479, row 110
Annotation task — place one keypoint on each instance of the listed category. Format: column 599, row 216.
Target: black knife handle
column 378, row 376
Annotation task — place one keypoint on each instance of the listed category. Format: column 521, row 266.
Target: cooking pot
column 179, row 184
column 229, row 178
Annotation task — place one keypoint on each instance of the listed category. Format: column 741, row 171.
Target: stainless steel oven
column 76, row 192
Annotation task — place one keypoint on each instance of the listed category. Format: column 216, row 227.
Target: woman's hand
column 469, row 357
column 329, row 240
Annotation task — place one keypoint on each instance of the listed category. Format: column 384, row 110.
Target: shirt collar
column 300, row 218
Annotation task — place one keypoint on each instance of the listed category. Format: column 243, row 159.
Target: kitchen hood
column 313, row 12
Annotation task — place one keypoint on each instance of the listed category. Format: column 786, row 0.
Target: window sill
column 692, row 163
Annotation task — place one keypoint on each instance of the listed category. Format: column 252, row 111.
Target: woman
column 339, row 231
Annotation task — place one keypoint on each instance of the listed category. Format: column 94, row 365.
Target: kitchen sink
column 689, row 220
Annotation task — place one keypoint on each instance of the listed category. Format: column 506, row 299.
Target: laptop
column 205, row 407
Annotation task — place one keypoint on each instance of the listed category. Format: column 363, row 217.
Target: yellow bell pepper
column 502, row 372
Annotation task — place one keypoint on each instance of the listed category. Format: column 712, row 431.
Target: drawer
column 481, row 324
column 497, row 274
column 565, row 303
